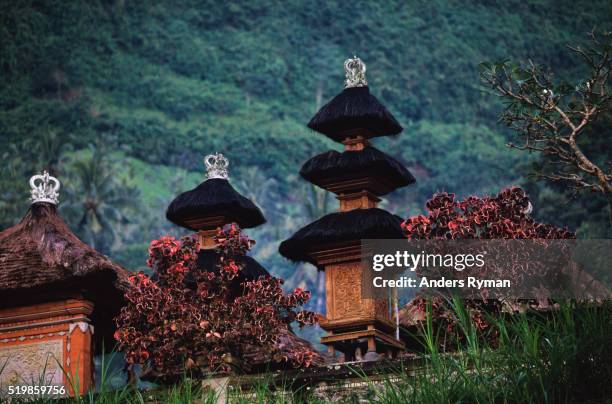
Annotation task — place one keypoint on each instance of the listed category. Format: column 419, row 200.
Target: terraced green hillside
column 154, row 86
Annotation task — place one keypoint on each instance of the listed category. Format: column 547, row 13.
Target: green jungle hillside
column 121, row 100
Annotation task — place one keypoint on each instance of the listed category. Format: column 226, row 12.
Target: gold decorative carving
column 347, row 290
column 381, row 307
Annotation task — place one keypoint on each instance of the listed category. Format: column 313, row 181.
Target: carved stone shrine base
column 49, row 344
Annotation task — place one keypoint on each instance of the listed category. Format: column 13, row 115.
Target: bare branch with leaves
column 551, row 117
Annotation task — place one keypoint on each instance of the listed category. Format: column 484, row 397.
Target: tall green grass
column 563, row 356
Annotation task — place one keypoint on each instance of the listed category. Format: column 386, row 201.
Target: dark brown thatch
column 335, row 228
column 41, row 260
column 332, row 167
column 214, row 197
column 42, row 251
column 354, row 111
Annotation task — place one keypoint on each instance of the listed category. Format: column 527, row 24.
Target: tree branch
column 550, row 118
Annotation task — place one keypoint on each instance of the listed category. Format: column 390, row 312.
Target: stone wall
column 355, row 380
column 47, row 344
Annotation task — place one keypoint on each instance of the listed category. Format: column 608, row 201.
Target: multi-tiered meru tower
column 358, row 176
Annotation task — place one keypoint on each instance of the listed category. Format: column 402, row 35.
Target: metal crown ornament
column 216, row 166
column 355, row 71
column 44, row 188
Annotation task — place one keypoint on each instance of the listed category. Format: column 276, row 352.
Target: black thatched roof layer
column 333, row 166
column 209, row 259
column 354, row 225
column 354, row 109
column 214, row 197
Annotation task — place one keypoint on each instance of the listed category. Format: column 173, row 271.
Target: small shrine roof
column 354, row 112
column 41, row 253
column 213, row 197
column 214, row 202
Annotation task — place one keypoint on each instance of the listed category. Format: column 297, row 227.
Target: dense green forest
column 121, row 100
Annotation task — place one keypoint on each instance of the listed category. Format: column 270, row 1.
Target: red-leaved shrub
column 189, row 319
column 505, row 216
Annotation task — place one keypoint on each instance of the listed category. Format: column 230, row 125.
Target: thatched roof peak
column 354, row 112
column 41, row 253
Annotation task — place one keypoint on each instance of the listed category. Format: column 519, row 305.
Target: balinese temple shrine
column 208, row 207
column 359, row 328
column 58, row 298
column 211, row 205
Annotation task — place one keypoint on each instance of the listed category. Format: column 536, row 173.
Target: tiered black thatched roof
column 354, row 225
column 214, row 197
column 354, row 112
column 333, row 166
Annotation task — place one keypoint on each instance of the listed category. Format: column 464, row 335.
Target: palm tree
column 96, row 200
column 259, row 188
column 40, row 151
column 51, row 146
column 316, row 202
column 13, row 185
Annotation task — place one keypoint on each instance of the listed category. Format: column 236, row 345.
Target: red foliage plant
column 505, row 216
column 188, row 319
